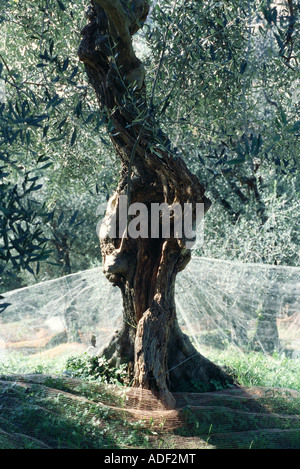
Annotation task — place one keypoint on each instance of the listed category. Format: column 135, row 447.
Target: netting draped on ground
column 40, row 411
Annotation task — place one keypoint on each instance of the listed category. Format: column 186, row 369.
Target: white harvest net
column 250, row 306
column 246, row 307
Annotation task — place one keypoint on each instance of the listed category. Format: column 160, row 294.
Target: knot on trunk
column 115, row 265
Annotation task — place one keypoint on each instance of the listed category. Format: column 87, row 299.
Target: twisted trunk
column 159, row 356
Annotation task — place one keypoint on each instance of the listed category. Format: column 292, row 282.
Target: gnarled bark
column 159, row 355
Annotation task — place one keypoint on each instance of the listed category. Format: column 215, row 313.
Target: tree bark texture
column 159, row 356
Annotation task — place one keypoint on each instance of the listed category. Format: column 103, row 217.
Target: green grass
column 88, row 414
column 257, row 369
column 249, row 369
column 18, row 363
column 35, row 416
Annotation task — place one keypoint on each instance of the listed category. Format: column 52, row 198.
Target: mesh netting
column 68, row 310
column 250, row 306
column 67, row 413
column 221, row 305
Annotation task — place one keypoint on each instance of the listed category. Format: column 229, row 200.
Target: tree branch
column 118, row 19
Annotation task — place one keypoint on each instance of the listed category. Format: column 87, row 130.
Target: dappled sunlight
column 120, row 417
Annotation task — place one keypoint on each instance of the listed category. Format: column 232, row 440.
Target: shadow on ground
column 39, row 411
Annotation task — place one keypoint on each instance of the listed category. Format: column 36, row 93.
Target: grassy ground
column 249, row 369
column 71, row 409
column 257, row 369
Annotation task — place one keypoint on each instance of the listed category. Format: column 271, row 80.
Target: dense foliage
column 228, row 94
column 54, row 169
column 223, row 79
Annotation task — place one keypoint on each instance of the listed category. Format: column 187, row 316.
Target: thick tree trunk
column 159, row 356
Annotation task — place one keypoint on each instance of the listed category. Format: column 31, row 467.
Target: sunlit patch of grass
column 18, row 363
column 249, row 369
column 258, row 369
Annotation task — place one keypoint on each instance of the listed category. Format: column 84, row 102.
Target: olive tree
column 159, row 356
